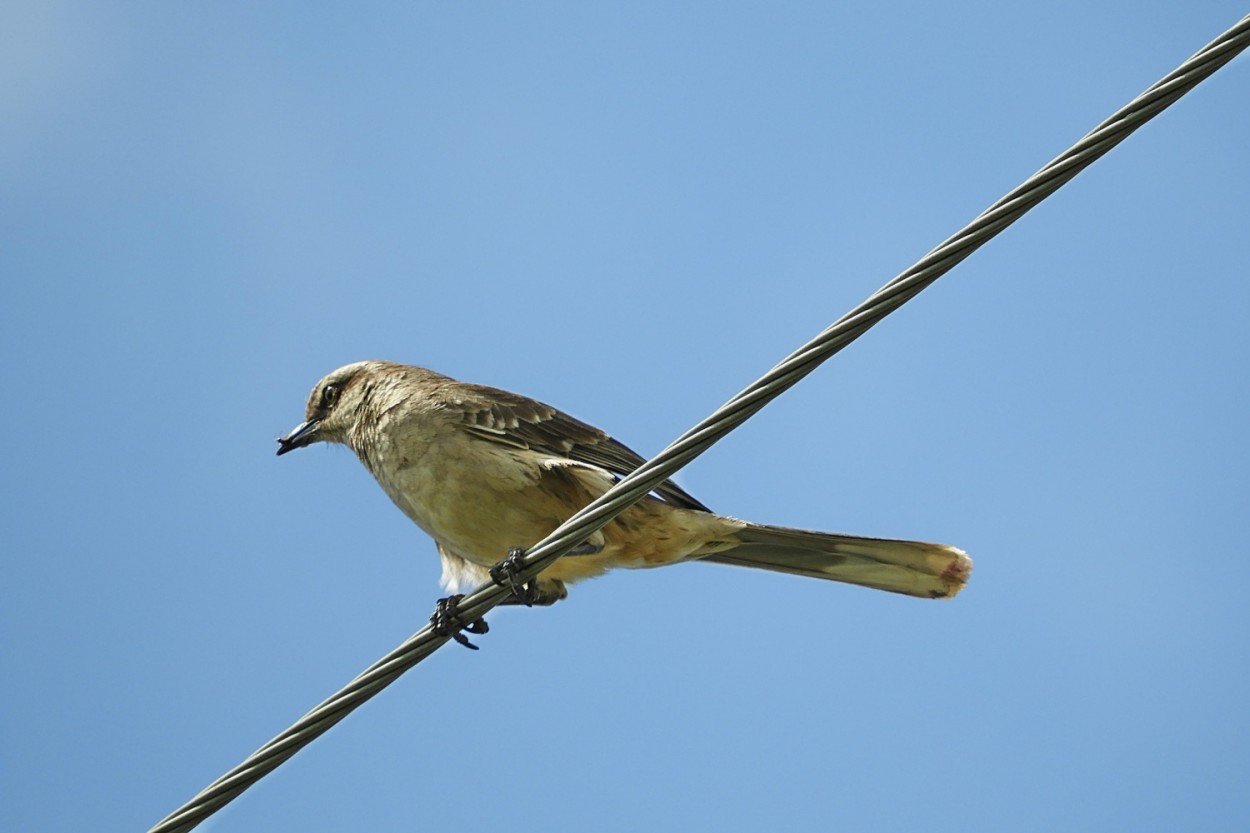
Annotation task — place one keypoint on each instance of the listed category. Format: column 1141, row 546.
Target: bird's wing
column 512, row 419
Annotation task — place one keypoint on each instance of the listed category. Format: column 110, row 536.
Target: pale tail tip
column 956, row 574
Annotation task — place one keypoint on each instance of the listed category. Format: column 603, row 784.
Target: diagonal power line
column 729, row 416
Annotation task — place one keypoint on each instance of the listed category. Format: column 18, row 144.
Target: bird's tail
column 930, row 571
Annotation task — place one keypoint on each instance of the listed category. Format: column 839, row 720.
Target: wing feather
column 509, row 418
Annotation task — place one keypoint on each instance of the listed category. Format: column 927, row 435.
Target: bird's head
column 334, row 405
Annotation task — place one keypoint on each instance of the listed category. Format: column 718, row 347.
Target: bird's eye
column 330, row 395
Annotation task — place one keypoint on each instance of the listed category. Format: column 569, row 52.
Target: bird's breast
column 476, row 498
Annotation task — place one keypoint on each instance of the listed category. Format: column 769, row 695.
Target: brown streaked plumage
column 483, row 471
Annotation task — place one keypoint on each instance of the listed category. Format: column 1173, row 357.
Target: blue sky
column 629, row 212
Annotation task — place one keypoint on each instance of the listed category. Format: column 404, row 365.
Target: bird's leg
column 506, row 574
column 446, row 621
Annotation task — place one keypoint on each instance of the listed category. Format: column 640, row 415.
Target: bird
column 487, row 473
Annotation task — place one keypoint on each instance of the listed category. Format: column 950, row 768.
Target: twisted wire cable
column 729, row 416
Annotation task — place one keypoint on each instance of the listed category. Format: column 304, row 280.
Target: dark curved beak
column 304, row 434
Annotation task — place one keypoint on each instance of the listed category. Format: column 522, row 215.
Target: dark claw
column 446, row 621
column 505, row 575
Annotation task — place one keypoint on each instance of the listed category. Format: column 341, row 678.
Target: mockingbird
column 486, row 472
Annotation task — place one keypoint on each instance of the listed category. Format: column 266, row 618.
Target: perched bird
column 486, row 472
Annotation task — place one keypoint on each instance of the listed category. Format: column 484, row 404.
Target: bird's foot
column 538, row 596
column 446, row 621
column 507, row 574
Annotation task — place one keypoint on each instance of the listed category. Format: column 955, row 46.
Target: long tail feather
column 931, row 571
